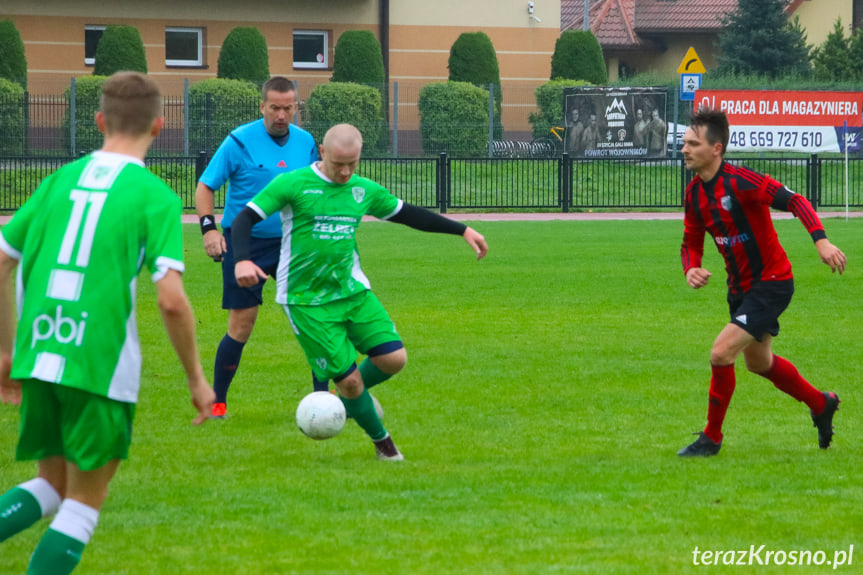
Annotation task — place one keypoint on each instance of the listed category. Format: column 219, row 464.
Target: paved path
column 580, row 216
column 576, row 216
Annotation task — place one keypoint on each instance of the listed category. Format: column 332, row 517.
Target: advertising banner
column 788, row 121
column 615, row 122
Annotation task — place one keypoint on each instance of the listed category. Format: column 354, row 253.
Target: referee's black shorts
column 265, row 254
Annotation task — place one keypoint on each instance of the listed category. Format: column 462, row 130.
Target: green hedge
column 578, row 56
column 217, row 106
column 345, row 102
column 13, row 123
column 454, row 119
column 13, row 62
column 473, row 59
column 88, row 91
column 549, row 101
column 120, row 48
column 244, row 56
column 358, row 59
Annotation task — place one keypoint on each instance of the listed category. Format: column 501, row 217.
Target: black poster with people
column 604, row 123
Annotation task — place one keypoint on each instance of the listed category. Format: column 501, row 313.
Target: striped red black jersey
column 734, row 208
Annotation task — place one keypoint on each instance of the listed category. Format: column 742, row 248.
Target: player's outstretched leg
column 24, row 505
column 362, row 410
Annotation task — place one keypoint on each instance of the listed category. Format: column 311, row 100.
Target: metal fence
column 526, row 184
column 62, row 124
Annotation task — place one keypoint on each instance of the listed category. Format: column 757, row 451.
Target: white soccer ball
column 321, row 415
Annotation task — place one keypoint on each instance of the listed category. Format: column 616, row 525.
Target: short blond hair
column 130, row 103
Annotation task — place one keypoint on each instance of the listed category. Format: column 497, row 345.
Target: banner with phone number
column 787, row 121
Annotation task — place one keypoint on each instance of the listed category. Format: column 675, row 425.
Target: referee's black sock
column 227, row 361
column 320, row 385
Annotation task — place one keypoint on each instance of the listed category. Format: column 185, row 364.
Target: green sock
column 19, row 509
column 56, row 554
column 362, row 409
column 371, row 374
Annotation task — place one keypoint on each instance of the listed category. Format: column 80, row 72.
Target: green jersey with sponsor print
column 81, row 240
column 319, row 262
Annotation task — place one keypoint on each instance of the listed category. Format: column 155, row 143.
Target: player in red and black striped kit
column 732, row 204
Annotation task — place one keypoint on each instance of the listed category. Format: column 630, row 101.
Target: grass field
column 547, row 391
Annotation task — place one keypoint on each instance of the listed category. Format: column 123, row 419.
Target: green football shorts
column 88, row 430
column 332, row 334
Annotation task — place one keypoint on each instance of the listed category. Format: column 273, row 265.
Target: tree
column 120, row 48
column 757, row 39
column 13, row 62
column 831, row 60
column 855, row 55
column 358, row 58
column 244, row 56
column 578, row 56
column 473, row 59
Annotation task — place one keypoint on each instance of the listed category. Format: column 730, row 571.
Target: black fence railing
column 526, row 184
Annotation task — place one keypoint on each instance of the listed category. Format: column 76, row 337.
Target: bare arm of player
column 10, row 391
column 831, row 255
column 214, row 242
column 697, row 277
column 476, row 241
column 180, row 324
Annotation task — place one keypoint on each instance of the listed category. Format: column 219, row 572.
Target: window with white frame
column 311, row 49
column 184, row 46
column 92, row 35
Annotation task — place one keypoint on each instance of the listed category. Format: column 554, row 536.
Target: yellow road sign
column 691, row 63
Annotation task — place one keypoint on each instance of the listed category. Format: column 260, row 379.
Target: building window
column 311, row 49
column 184, row 46
column 92, row 35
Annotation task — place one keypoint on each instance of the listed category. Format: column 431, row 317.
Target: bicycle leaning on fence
column 549, row 145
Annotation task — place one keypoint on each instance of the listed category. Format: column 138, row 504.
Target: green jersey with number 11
column 319, row 262
column 81, row 240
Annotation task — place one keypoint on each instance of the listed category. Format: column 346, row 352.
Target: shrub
column 13, row 62
column 344, row 102
column 217, row 106
column 578, row 56
column 454, row 118
column 473, row 59
column 244, row 56
column 120, row 48
column 13, row 124
column 549, row 101
column 88, row 90
column 358, row 59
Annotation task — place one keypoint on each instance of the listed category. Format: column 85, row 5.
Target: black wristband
column 208, row 223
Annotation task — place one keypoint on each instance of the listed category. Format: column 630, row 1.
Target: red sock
column 786, row 378
column 722, row 382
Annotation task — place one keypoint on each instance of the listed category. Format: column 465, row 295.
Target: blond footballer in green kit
column 320, row 283
column 79, row 245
